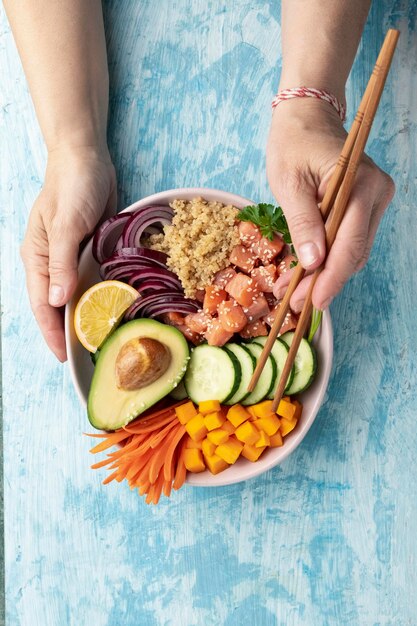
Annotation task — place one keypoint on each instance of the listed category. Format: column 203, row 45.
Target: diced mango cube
column 252, row 414
column 269, row 425
column 190, row 443
column 230, row 451
column 196, row 428
column 215, row 464
column 286, row 409
column 228, row 427
column 208, row 447
column 193, row 460
column 218, row 436
column 209, row 406
column 276, row 440
column 252, row 453
column 263, row 440
column 185, row 412
column 214, row 420
column 299, row 410
column 263, row 409
column 287, row 426
column 237, row 415
column 247, row 433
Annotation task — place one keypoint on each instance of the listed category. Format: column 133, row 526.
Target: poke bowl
column 82, row 367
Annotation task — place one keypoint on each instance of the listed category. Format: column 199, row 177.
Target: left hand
column 305, row 140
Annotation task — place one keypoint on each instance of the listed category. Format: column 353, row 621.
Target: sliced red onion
column 168, row 300
column 147, row 253
column 142, row 220
column 158, row 273
column 107, row 235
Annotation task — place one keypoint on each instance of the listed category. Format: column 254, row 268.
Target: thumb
column 305, row 222
column 63, row 268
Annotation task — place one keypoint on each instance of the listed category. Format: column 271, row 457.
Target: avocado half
column 109, row 406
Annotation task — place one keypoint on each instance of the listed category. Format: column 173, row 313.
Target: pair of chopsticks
column 332, row 208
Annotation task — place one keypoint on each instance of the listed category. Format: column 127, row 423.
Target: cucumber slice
column 305, row 364
column 247, row 364
column 266, row 379
column 212, row 374
column 179, row 392
column 279, row 352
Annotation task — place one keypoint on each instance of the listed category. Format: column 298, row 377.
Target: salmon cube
column 254, row 329
column 243, row 289
column 290, row 320
column 178, row 321
column 231, row 316
column 214, row 295
column 288, row 262
column 259, row 308
column 199, row 295
column 249, row 233
column 267, row 250
column 216, row 335
column 243, row 258
column 197, row 322
column 264, row 277
column 222, row 277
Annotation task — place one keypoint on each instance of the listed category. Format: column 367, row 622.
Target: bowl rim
column 249, row 470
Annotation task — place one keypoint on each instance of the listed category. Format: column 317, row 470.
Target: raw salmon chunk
column 231, row 316
column 216, row 335
column 197, row 322
column 257, row 309
column 249, row 233
column 214, row 295
column 265, row 277
column 255, row 329
column 243, row 289
column 286, row 263
column 243, row 258
column 267, row 250
column 222, row 277
column 290, row 320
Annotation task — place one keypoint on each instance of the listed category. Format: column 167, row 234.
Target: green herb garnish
column 269, row 218
column 315, row 323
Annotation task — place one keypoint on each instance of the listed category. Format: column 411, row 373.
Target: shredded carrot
column 112, row 439
column 171, row 449
column 181, row 471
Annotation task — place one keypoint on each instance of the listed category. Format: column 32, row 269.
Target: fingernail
column 326, row 304
column 56, row 294
column 308, row 253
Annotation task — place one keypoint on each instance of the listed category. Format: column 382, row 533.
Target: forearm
column 63, row 51
column 319, row 42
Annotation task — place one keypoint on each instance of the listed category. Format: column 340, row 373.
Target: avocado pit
column 140, row 362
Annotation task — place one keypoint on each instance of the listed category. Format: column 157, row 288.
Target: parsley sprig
column 269, row 218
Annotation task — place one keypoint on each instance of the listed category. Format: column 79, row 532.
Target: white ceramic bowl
column 81, row 366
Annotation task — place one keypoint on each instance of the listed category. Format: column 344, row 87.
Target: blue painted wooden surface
column 328, row 538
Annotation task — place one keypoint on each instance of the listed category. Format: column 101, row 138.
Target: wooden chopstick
column 326, row 204
column 342, row 199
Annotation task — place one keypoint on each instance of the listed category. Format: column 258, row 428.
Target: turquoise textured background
column 329, row 537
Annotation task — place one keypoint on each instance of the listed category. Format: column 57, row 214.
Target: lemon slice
column 99, row 311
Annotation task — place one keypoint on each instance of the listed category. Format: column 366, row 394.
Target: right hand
column 80, row 186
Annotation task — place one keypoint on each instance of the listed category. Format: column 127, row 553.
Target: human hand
column 80, row 186
column 305, row 140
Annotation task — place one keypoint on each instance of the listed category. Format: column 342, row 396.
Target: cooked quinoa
column 199, row 241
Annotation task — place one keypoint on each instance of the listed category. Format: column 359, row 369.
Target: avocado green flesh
column 110, row 407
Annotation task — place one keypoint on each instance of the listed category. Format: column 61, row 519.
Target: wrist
column 297, row 78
